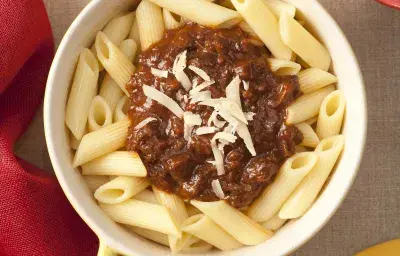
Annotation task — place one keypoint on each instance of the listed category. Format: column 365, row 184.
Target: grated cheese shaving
column 201, row 73
column 233, row 91
column 144, row 122
column 244, row 133
column 219, row 161
column 230, row 129
column 202, row 86
column 205, row 130
column 213, row 119
column 234, row 109
column 200, row 97
column 163, row 99
column 178, row 70
column 159, row 72
column 189, row 121
column 216, row 186
column 249, row 116
column 183, row 79
column 227, row 137
column 246, row 85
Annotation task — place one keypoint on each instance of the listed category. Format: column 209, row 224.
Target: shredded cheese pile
column 235, row 121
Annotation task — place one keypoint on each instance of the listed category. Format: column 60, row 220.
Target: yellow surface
column 390, row 248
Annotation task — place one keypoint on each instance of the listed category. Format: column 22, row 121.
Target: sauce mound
column 184, row 166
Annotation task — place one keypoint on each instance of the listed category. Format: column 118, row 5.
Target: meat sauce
column 181, row 167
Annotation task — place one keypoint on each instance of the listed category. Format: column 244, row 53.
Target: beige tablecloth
column 370, row 214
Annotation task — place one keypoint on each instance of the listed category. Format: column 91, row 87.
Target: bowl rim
column 97, row 227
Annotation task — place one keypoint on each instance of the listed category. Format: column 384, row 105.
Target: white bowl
column 81, row 34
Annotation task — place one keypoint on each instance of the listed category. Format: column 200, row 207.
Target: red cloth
column 35, row 216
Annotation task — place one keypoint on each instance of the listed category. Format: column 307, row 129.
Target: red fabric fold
column 35, row 216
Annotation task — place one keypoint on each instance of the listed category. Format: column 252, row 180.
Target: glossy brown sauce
column 179, row 166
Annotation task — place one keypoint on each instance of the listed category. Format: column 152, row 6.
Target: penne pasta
column 246, row 28
column 300, row 149
column 283, row 67
column 151, row 235
column 312, row 79
column 312, row 120
column 278, row 7
column 114, row 61
column 331, row 114
column 83, row 89
column 274, row 223
column 289, row 176
column 310, row 138
column 307, row 106
column 120, row 163
column 204, row 228
column 117, row 30
column 101, row 142
column 146, row 196
column 257, row 14
column 134, row 33
column 99, row 114
column 109, row 89
column 105, row 250
column 141, row 214
column 120, row 189
column 234, row 222
column 303, row 43
column 198, row 247
column 93, row 182
column 122, row 108
column 305, row 194
column 150, row 23
column 177, row 208
column 73, row 142
column 171, row 22
column 191, row 210
column 217, row 16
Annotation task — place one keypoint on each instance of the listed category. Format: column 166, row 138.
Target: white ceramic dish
column 81, row 34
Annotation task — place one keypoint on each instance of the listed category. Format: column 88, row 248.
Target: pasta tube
column 312, row 79
column 283, row 67
column 204, row 228
column 116, row 30
column 109, row 89
column 171, row 22
column 151, row 235
column 257, row 14
column 146, row 196
column 120, row 163
column 150, row 23
column 303, row 43
column 310, row 138
column 274, row 223
column 83, row 89
column 120, row 189
column 114, row 61
column 101, row 142
column 121, row 110
column 93, row 182
column 307, row 106
column 217, row 16
column 331, row 114
column 305, row 194
column 234, row 222
column 278, row 7
column 141, row 214
column 198, row 247
column 99, row 114
column 134, row 34
column 290, row 175
column 177, row 208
